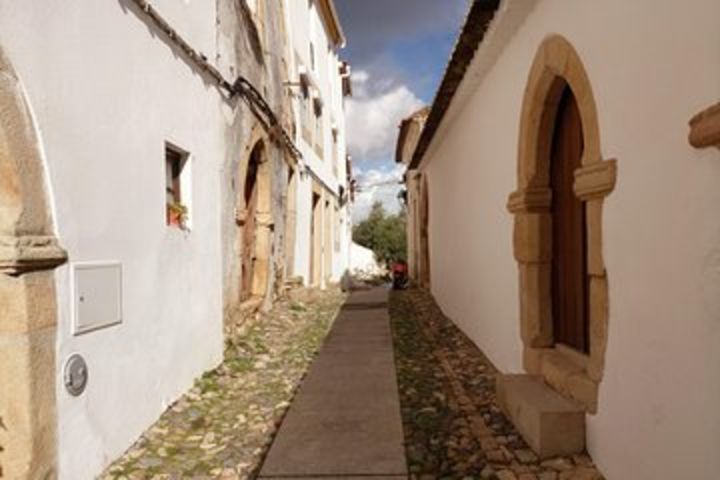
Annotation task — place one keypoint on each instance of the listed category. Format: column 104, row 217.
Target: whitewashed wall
column 363, row 262
column 652, row 66
column 303, row 227
column 107, row 93
column 305, row 25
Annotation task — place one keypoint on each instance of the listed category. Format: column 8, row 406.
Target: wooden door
column 425, row 238
column 569, row 286
column 249, row 227
column 314, row 237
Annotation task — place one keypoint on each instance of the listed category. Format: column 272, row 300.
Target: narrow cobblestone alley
column 359, row 240
column 223, row 426
column 346, row 420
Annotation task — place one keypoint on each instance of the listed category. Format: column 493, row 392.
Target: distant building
column 321, row 193
column 565, row 216
column 153, row 183
column 415, row 198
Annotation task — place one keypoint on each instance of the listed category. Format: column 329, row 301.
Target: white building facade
column 320, row 83
column 636, row 85
column 108, row 101
column 124, row 149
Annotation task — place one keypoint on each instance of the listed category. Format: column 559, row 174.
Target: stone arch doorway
column 562, row 183
column 424, row 234
column 256, row 223
column 29, row 251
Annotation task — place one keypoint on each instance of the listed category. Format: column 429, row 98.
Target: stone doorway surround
column 263, row 220
column 413, row 222
column 316, row 239
column 572, row 373
column 327, row 249
column 29, row 251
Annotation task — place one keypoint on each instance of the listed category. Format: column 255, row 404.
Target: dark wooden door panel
column 570, row 317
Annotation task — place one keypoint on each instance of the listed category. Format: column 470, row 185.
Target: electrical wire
column 241, row 86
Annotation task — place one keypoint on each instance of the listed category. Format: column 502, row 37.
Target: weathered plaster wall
column 651, row 70
column 107, row 92
column 239, row 51
column 251, row 43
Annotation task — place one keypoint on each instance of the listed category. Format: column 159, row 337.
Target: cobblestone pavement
column 223, row 426
column 453, row 426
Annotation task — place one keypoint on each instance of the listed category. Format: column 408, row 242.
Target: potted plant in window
column 177, row 214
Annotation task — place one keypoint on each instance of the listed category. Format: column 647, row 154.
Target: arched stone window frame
column 576, row 375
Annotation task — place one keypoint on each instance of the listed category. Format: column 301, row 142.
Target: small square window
column 175, row 200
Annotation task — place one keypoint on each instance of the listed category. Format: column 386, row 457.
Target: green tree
column 384, row 234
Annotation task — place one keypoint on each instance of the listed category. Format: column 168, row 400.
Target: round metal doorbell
column 75, row 375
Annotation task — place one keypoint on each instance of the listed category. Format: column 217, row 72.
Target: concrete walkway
column 345, row 420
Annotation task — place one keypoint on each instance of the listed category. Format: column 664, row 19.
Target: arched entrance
column 562, row 183
column 28, row 312
column 424, row 234
column 250, row 197
column 256, row 223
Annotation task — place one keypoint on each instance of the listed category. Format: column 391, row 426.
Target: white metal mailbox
column 97, row 295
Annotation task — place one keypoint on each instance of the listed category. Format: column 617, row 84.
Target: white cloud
column 361, row 76
column 377, row 185
column 374, row 114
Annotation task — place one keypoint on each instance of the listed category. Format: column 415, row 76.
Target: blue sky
column 398, row 50
column 424, row 60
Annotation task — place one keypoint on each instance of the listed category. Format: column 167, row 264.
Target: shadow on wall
column 135, row 7
column 253, row 33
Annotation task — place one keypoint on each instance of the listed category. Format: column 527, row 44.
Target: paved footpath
column 345, row 420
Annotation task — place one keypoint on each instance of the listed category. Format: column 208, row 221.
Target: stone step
column 551, row 424
column 294, row 282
